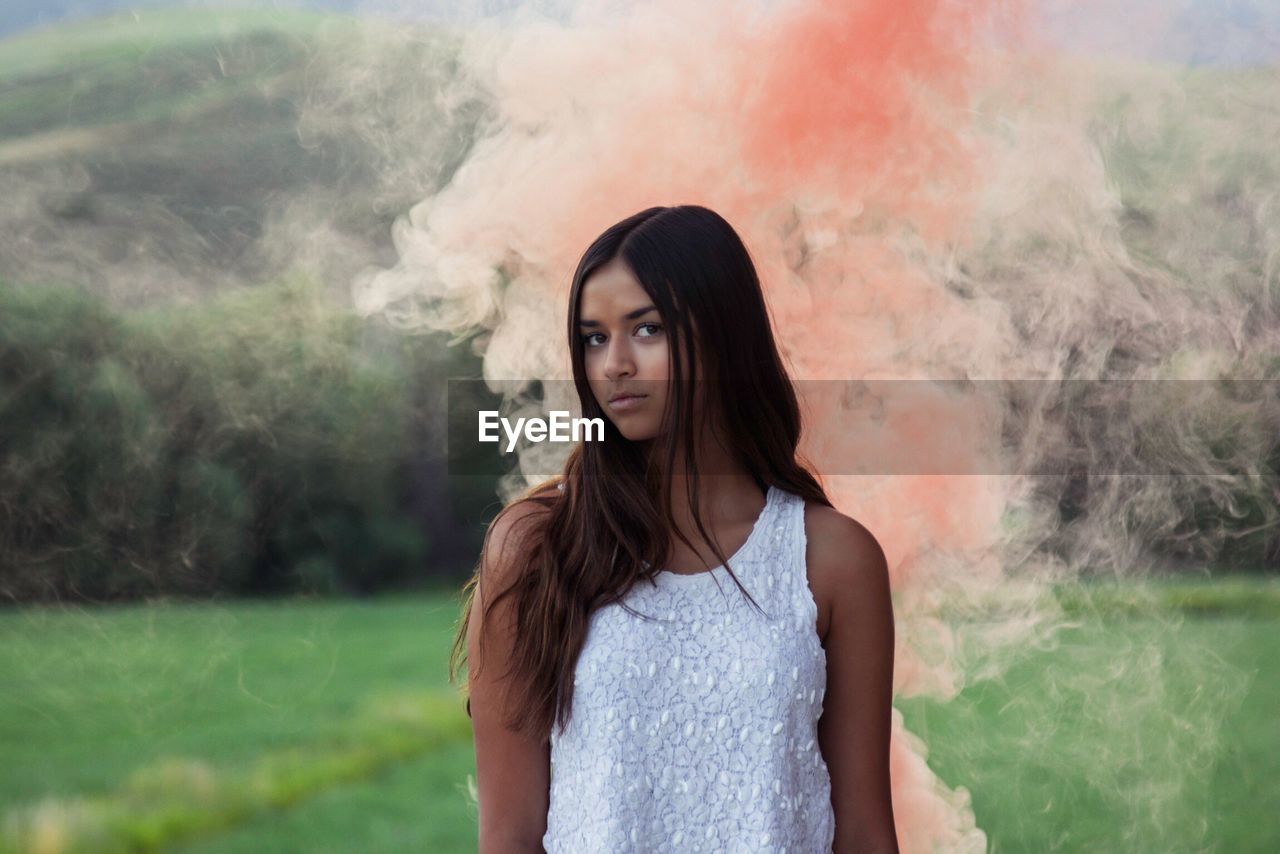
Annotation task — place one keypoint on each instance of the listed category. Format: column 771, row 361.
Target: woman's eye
column 657, row 327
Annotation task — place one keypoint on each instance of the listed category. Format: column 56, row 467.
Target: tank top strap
column 791, row 546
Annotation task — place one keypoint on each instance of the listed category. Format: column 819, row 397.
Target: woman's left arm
column 856, row 721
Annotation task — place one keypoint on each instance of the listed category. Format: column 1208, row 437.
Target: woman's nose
column 619, row 363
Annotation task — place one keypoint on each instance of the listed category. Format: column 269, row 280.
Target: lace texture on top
column 696, row 730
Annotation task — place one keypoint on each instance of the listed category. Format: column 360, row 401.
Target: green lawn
column 330, row 726
column 1136, row 734
column 91, row 697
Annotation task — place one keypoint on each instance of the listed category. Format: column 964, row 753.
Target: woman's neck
column 727, row 490
column 721, row 498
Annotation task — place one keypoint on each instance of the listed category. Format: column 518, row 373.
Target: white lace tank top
column 697, row 731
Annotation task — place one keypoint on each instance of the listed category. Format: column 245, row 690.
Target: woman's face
column 625, row 349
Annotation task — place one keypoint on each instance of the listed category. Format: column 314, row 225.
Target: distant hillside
column 16, row 15
column 164, row 153
column 170, row 151
column 19, row 15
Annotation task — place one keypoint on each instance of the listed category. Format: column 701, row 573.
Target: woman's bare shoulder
column 509, row 526
column 511, row 530
column 841, row 555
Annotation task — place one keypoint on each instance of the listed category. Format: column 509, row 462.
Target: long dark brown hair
column 610, row 527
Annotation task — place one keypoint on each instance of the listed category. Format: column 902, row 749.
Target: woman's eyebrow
column 631, row 315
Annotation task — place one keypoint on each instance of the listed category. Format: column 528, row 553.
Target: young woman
column 625, row 696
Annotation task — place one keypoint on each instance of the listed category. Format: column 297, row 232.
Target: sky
column 1196, row 32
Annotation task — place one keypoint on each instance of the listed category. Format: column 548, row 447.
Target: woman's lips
column 622, row 404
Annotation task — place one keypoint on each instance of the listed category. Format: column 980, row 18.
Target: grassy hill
column 166, row 152
column 170, row 151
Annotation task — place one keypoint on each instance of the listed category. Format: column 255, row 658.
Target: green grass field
column 327, row 726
